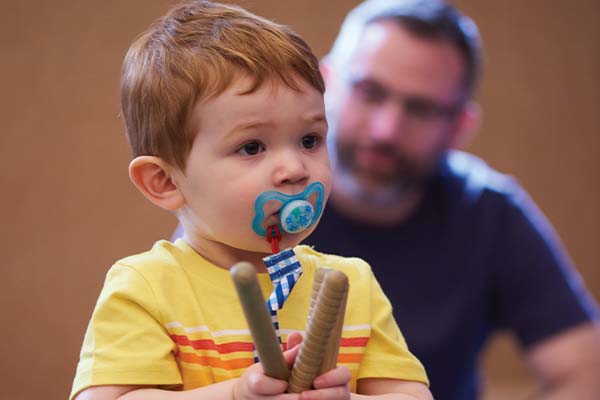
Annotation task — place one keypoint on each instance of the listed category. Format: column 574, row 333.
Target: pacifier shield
column 296, row 216
column 296, row 213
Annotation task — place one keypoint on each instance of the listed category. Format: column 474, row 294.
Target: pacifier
column 296, row 213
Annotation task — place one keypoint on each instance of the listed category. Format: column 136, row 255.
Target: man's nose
column 387, row 122
column 290, row 168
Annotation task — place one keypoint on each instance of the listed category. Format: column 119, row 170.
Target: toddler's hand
column 332, row 385
column 255, row 385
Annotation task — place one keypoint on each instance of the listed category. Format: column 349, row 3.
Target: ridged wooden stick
column 317, row 281
column 332, row 350
column 323, row 318
column 333, row 345
column 259, row 321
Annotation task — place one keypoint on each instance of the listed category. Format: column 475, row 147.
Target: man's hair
column 195, row 52
column 432, row 19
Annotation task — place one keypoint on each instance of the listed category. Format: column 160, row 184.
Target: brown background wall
column 68, row 210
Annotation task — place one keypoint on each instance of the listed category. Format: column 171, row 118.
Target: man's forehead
column 395, row 57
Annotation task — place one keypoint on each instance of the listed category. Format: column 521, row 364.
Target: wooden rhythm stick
column 333, row 346
column 317, row 280
column 318, row 352
column 259, row 321
column 319, row 333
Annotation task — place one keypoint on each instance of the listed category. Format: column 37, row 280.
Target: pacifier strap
column 284, row 271
column 273, row 236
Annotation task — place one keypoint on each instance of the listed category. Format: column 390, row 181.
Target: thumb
column 291, row 353
column 294, row 339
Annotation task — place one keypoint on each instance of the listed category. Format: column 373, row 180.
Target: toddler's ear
column 153, row 177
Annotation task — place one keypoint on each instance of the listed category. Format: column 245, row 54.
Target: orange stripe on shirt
column 346, row 342
column 354, row 342
column 349, row 358
column 215, row 362
column 231, row 347
column 209, row 344
column 238, row 363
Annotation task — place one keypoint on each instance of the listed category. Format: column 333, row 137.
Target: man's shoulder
column 473, row 180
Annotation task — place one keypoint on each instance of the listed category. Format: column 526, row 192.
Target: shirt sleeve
column 125, row 342
column 387, row 354
column 537, row 291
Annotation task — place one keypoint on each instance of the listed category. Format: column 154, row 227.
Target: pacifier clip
column 273, row 236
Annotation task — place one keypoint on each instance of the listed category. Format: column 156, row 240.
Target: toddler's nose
column 290, row 169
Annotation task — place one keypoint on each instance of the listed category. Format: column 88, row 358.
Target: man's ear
column 468, row 124
column 153, row 177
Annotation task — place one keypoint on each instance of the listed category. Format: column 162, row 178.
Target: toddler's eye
column 310, row 141
column 251, row 149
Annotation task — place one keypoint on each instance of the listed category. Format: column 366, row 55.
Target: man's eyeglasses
column 419, row 108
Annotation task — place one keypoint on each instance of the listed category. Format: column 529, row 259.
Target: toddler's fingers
column 331, row 393
column 263, row 385
column 336, row 377
column 291, row 354
column 294, row 339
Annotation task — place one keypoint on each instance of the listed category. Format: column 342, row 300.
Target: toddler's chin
column 288, row 240
column 292, row 240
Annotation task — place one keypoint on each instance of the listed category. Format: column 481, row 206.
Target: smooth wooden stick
column 259, row 321
column 323, row 318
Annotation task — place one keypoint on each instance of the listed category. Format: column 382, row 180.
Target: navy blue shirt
column 475, row 257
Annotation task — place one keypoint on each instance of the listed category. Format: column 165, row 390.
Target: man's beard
column 378, row 187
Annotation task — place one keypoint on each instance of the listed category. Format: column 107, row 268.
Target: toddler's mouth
column 272, row 219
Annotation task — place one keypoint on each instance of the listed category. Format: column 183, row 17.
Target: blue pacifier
column 296, row 213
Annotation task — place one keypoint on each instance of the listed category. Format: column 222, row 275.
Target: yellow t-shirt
column 170, row 318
